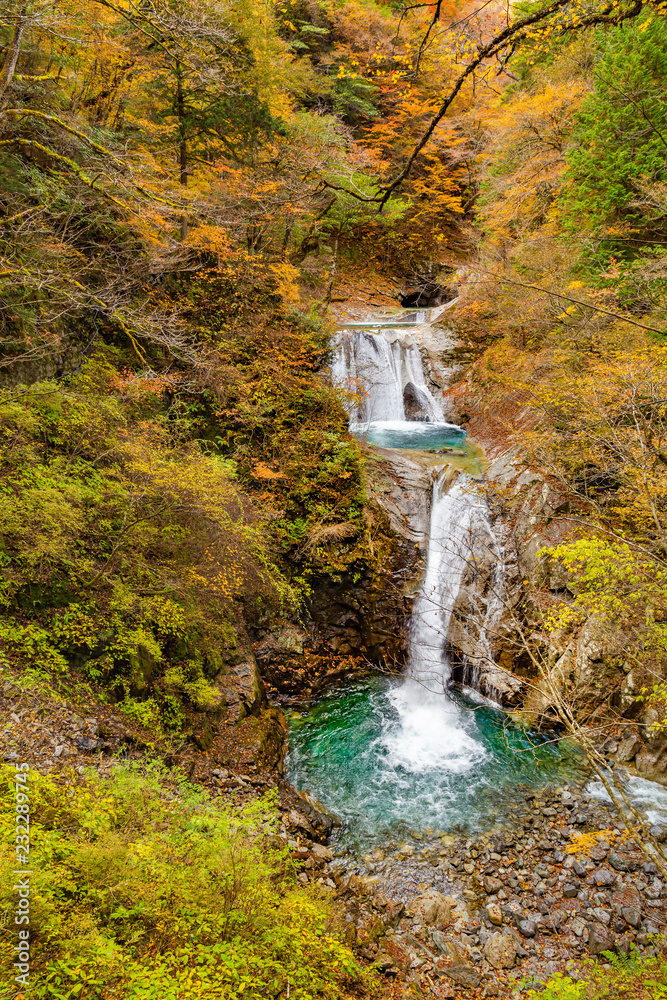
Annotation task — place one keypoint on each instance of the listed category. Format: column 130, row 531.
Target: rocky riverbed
column 498, row 913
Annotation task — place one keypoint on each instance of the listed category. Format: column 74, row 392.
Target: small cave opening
column 426, row 295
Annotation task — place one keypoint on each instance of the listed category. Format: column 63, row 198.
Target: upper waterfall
column 384, row 381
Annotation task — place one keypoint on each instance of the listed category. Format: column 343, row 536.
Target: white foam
column 432, row 731
column 648, row 796
column 375, row 373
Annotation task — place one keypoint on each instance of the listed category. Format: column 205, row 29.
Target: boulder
column 295, row 820
column 500, row 951
column 622, row 862
column 322, row 852
column 599, row 939
column 433, row 908
column 385, row 963
column 603, row 877
column 463, row 975
column 632, row 915
column 492, row 884
column 627, row 748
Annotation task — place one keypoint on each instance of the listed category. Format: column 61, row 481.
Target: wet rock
column 648, row 764
column 500, row 951
column 599, row 939
column 295, row 820
column 322, row 853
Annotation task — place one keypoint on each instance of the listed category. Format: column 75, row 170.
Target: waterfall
column 384, row 381
column 432, row 730
column 390, row 403
column 455, row 517
column 395, row 755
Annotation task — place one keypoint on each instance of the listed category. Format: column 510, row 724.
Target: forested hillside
column 191, row 194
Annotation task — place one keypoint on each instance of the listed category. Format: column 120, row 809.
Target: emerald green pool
column 392, row 760
column 423, row 436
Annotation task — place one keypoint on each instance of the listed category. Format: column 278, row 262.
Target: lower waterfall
column 432, row 730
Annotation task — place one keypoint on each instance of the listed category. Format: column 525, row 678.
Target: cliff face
column 590, row 669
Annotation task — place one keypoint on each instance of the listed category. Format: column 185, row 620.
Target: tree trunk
column 182, row 145
column 13, row 52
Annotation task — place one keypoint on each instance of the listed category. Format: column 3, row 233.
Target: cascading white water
column 377, row 375
column 433, row 731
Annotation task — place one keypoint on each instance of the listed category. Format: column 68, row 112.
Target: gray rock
column 492, row 884
column 632, row 915
column 464, row 975
column 528, row 928
column 500, row 951
column 578, row 869
column 570, row 891
column 603, row 877
column 599, row 939
column 622, row 863
column 628, row 748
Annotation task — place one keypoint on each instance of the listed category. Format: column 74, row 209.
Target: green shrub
column 625, row 977
column 145, row 888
